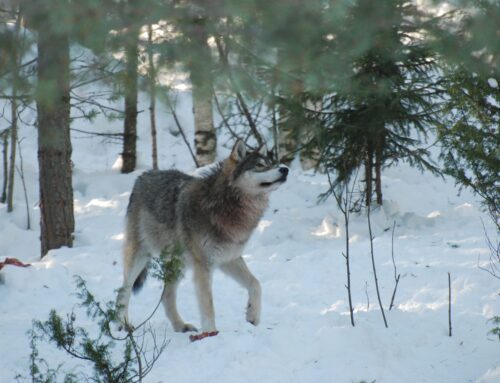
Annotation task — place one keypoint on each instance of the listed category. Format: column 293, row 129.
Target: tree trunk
column 205, row 139
column 129, row 154
column 152, row 96
column 310, row 156
column 54, row 145
column 13, row 111
column 13, row 146
column 378, row 170
column 287, row 144
column 5, row 138
column 287, row 141
column 369, row 174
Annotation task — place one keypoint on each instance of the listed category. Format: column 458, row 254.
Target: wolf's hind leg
column 135, row 259
column 238, row 270
column 169, row 300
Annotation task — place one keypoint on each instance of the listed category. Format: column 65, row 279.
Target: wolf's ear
column 263, row 150
column 239, row 151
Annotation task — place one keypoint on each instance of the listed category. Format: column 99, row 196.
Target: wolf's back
column 158, row 191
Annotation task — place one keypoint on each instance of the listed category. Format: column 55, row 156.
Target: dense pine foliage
column 351, row 87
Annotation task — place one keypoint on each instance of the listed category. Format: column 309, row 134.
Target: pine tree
column 52, row 22
column 470, row 137
column 470, row 140
column 385, row 104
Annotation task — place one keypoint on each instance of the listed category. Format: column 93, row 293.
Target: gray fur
column 212, row 217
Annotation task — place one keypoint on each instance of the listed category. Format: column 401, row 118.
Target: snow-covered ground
column 296, row 252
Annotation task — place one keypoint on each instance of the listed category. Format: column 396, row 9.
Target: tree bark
column 54, row 145
column 205, row 139
column 129, row 154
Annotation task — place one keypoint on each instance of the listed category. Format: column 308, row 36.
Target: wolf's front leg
column 202, row 275
column 169, row 299
column 238, row 270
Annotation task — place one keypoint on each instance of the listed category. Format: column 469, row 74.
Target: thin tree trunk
column 347, row 261
column 310, row 156
column 20, row 170
column 201, row 78
column 129, row 154
column 378, row 170
column 13, row 111
column 152, row 97
column 13, row 146
column 344, row 202
column 205, row 138
column 372, row 253
column 287, row 140
column 54, row 145
column 368, row 174
column 5, row 137
column 396, row 274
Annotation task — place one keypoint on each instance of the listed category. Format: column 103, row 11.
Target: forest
column 379, row 258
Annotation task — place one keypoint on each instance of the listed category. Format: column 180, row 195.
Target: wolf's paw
column 185, row 327
column 253, row 315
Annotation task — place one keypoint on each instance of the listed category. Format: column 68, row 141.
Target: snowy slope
column 305, row 334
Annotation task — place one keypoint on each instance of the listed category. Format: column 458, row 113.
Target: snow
column 296, row 252
column 492, row 82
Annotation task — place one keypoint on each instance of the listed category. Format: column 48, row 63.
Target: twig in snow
column 367, row 296
column 449, row 304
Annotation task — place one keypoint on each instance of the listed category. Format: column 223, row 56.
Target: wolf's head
column 253, row 172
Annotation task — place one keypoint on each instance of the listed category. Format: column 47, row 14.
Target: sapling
column 396, row 274
column 372, row 253
column 344, row 196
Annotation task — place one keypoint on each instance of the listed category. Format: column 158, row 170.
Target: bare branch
column 181, row 131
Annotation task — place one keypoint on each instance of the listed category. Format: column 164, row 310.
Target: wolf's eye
column 260, row 166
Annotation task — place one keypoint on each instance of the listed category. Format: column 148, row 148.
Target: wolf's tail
column 139, row 282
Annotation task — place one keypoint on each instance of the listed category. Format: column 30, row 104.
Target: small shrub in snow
column 111, row 359
column 496, row 329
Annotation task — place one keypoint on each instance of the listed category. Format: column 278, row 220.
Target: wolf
column 212, row 218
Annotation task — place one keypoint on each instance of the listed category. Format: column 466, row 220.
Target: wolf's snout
column 284, row 171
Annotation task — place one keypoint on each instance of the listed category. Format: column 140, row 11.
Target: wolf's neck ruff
column 233, row 212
